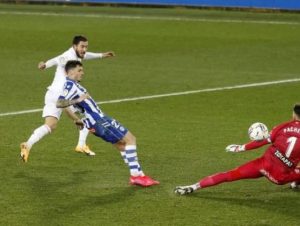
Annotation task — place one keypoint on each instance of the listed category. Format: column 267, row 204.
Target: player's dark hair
column 72, row 64
column 79, row 38
column 297, row 109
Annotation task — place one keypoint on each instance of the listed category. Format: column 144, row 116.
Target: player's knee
column 53, row 126
column 130, row 139
column 51, row 122
column 120, row 146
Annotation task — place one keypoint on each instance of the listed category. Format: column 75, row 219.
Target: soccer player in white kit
column 51, row 113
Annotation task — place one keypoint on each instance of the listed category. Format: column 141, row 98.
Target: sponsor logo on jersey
column 283, row 159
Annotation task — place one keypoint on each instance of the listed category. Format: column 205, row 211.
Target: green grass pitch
column 180, row 139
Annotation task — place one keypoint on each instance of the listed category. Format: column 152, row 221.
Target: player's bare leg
column 38, row 134
column 127, row 148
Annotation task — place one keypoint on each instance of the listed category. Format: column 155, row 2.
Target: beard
column 78, row 55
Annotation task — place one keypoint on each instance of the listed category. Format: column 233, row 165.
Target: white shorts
column 50, row 108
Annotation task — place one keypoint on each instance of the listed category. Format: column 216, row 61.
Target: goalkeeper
column 278, row 164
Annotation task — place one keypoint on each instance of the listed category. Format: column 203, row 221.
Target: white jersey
column 60, row 62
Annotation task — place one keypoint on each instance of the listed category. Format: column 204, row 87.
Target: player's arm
column 248, row 146
column 90, row 55
column 60, row 60
column 49, row 63
column 62, row 102
column 67, row 99
column 71, row 114
column 256, row 144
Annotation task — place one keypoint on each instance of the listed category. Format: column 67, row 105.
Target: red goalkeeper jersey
column 285, row 140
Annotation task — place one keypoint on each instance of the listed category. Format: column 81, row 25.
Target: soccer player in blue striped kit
column 100, row 124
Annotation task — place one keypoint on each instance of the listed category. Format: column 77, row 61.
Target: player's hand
column 83, row 97
column 108, row 54
column 42, row 65
column 79, row 124
column 235, row 148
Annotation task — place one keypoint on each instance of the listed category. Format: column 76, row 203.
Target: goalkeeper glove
column 235, row 148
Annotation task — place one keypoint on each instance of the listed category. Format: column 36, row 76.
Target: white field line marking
column 171, row 94
column 162, row 18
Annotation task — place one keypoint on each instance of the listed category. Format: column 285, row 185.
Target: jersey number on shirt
column 290, row 148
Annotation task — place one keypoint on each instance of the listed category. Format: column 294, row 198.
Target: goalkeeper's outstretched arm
column 248, row 146
column 257, row 144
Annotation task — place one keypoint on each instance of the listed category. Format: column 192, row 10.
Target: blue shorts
column 109, row 130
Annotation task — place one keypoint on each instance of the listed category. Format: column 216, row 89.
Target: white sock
column 82, row 137
column 38, row 134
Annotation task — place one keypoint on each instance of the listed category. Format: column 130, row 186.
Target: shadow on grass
column 279, row 202
column 55, row 199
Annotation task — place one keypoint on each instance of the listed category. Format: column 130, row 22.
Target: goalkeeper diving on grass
column 279, row 164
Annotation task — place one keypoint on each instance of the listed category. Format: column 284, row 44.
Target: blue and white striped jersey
column 72, row 90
